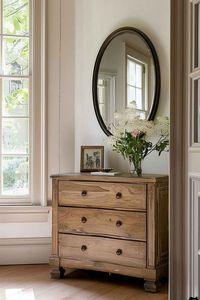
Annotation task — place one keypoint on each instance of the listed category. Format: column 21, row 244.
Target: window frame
column 37, row 124
column 110, row 78
column 143, row 88
column 143, row 60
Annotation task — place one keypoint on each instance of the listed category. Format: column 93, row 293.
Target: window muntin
column 15, row 98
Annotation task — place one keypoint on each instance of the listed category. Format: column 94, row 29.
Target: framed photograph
column 92, row 158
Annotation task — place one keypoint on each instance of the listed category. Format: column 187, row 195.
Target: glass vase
column 135, row 167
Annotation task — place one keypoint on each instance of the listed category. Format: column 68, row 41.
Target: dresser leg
column 151, row 286
column 59, row 273
column 54, row 274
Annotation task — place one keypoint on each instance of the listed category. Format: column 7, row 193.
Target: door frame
column 178, row 230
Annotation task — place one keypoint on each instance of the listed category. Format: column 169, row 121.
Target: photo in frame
column 92, row 158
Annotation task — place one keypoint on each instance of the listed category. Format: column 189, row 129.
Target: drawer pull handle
column 83, row 219
column 118, row 223
column 84, row 193
column 118, row 195
column 83, row 248
column 119, row 252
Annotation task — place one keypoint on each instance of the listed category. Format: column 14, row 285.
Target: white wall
column 94, row 21
column 76, row 30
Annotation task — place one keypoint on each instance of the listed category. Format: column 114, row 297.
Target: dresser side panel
column 151, row 226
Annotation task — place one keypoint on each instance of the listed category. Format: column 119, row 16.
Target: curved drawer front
column 131, row 225
column 96, row 249
column 100, row 194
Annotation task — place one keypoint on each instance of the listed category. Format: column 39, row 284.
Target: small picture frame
column 92, row 158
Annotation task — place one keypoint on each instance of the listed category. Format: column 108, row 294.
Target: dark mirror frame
column 105, row 44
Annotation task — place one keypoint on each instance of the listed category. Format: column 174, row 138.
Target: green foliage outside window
column 15, row 42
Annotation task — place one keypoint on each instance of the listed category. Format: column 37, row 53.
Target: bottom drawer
column 99, row 249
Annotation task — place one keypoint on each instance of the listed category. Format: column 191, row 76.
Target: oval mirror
column 126, row 75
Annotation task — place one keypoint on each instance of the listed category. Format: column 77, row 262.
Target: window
column 106, row 97
column 20, row 100
column 15, row 82
column 136, row 85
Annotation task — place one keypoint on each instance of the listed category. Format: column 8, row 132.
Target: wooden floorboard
column 31, row 282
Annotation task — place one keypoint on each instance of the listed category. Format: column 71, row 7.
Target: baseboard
column 25, row 250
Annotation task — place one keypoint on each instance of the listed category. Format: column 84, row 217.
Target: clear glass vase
column 135, row 167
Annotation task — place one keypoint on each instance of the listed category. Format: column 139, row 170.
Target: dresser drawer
column 96, row 249
column 126, row 224
column 102, row 195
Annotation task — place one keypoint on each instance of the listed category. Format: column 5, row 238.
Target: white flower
column 135, row 138
column 130, row 121
column 162, row 126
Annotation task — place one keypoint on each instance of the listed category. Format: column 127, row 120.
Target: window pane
column 130, row 72
column 15, row 97
column 15, row 17
column 15, row 56
column 15, row 175
column 142, row 115
column 15, row 136
column 138, row 98
column 197, row 111
column 138, row 76
column 130, row 95
column 101, row 94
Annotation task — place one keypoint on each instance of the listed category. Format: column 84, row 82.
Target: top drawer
column 102, row 194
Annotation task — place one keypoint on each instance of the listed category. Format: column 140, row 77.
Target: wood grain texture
column 99, row 249
column 109, row 267
column 162, row 226
column 117, row 227
column 32, row 282
column 130, row 225
column 55, row 217
column 122, row 177
column 54, row 259
column 105, row 195
column 151, row 227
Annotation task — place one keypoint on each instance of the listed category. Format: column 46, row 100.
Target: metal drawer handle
column 118, row 195
column 83, row 248
column 118, row 223
column 83, row 219
column 84, row 193
column 119, row 252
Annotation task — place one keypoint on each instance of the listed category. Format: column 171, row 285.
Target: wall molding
column 25, row 250
column 24, row 214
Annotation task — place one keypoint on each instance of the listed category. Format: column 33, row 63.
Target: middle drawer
column 130, row 225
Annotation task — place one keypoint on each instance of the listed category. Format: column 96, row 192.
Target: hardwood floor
column 31, row 282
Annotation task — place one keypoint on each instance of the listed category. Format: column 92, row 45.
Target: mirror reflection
column 126, row 77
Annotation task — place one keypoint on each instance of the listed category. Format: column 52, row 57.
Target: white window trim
column 128, row 50
column 41, row 199
column 111, row 78
column 143, row 60
column 38, row 151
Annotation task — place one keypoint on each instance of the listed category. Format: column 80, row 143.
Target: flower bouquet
column 135, row 138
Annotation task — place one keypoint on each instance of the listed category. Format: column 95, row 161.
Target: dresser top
column 122, row 177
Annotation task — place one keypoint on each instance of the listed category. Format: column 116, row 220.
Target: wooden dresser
column 115, row 224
